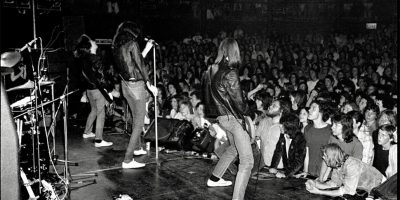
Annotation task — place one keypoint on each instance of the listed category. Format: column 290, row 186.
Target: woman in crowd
column 174, row 103
column 184, row 111
column 303, row 117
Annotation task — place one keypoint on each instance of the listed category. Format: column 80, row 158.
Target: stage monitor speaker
column 171, row 133
column 10, row 188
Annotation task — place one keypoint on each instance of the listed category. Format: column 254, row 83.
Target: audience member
column 290, row 149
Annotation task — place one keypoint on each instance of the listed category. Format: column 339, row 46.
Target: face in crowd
column 313, row 112
column 274, row 109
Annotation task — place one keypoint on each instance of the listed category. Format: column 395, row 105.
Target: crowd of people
column 335, row 92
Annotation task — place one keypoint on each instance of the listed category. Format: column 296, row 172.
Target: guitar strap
column 102, row 90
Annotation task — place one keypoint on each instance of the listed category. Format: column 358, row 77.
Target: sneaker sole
column 133, row 167
column 208, row 185
column 103, row 145
column 139, row 154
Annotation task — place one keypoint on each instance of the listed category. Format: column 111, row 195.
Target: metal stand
column 67, row 175
column 155, row 104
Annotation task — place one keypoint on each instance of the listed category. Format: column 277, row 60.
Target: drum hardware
column 32, row 154
column 33, row 150
column 9, row 59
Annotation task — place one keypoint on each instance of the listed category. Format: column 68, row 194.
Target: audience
column 341, row 91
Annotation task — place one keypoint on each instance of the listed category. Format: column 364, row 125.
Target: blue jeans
column 97, row 112
column 239, row 143
column 135, row 94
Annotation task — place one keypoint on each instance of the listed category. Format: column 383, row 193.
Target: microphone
column 147, row 39
column 27, row 45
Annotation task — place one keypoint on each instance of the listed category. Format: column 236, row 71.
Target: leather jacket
column 293, row 161
column 126, row 65
column 222, row 92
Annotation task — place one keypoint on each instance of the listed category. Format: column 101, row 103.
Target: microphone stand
column 67, row 176
column 155, row 104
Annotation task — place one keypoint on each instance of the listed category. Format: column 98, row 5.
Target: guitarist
column 129, row 62
column 95, row 85
column 224, row 93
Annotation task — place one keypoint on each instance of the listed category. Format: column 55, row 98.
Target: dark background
column 176, row 19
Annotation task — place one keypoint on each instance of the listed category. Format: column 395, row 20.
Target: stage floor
column 177, row 176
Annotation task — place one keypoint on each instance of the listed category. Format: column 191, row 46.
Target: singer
column 134, row 79
column 224, row 91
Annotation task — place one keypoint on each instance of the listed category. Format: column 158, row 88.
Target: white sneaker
column 88, row 135
column 139, row 152
column 132, row 165
column 220, row 183
column 102, row 144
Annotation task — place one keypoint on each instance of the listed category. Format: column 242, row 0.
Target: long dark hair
column 291, row 124
column 347, row 126
column 127, row 33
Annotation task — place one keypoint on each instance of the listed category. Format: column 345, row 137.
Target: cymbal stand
column 35, row 121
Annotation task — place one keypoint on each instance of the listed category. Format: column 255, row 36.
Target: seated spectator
column 349, row 174
column 392, row 168
column 268, row 128
column 172, row 91
column 290, row 149
column 364, row 135
column 174, row 103
column 385, row 140
column 386, row 117
column 199, row 120
column 342, row 134
column 370, row 115
column 194, row 99
column 184, row 111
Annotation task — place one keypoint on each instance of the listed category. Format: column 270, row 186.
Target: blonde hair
column 335, row 156
column 229, row 50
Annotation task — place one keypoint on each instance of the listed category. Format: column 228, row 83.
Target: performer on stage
column 130, row 65
column 223, row 90
column 94, row 84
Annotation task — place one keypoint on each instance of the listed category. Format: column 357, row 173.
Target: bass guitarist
column 95, row 85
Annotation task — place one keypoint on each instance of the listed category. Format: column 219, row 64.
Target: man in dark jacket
column 92, row 72
column 225, row 94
